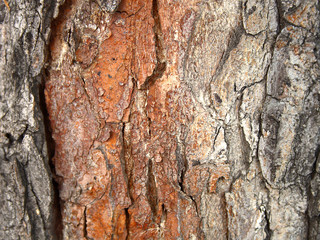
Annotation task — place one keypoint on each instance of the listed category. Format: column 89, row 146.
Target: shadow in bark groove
column 51, row 150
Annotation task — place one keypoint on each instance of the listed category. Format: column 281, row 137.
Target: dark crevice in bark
column 267, row 228
column 126, row 210
column 182, row 166
column 161, row 62
column 20, row 138
column 182, row 169
column 281, row 20
column 126, row 166
column 247, row 86
column 132, row 100
column 309, row 218
column 57, row 221
column 224, row 205
column 312, row 214
column 195, row 205
column 314, row 166
column 162, row 221
column 157, row 74
column 85, row 232
column 149, row 126
column 164, row 214
column 152, row 194
column 10, row 139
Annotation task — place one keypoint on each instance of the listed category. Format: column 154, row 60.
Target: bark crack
column 127, row 222
column 85, row 232
column 152, row 194
column 160, row 55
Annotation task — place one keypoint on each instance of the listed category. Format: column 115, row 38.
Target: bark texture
column 171, row 119
column 26, row 190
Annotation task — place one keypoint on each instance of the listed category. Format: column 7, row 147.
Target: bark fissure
column 127, row 223
column 161, row 64
column 85, row 232
column 152, row 194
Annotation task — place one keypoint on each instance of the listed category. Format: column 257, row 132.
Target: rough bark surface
column 171, row 119
column 26, row 189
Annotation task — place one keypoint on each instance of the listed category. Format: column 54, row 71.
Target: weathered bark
column 171, row 119
column 26, row 190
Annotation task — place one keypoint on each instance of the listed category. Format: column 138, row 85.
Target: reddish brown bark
column 119, row 158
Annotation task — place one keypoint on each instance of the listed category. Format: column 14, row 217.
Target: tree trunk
column 163, row 120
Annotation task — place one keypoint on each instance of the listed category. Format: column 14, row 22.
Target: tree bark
column 26, row 193
column 163, row 119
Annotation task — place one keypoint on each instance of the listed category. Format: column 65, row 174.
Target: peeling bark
column 170, row 119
